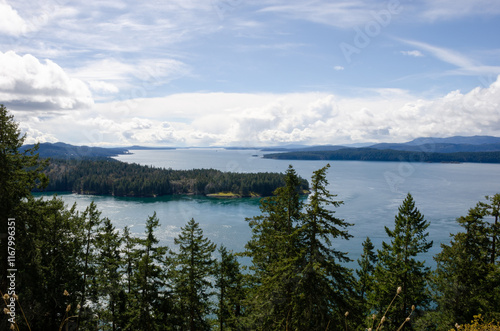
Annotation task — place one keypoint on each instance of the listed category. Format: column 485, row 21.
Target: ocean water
column 371, row 192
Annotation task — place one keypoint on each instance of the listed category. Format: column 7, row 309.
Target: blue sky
column 235, row 72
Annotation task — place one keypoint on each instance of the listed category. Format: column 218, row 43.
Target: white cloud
column 205, row 119
column 415, row 53
column 10, row 22
column 27, row 83
column 446, row 55
column 341, row 14
column 338, row 68
column 466, row 65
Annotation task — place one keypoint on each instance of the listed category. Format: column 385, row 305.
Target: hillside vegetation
column 373, row 154
column 111, row 177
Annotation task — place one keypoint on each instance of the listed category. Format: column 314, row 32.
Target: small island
column 106, row 176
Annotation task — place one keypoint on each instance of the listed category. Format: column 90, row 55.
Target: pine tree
column 399, row 267
column 193, row 264
column 52, row 245
column 149, row 279
column 229, row 282
column 274, row 252
column 88, row 262
column 492, row 209
column 322, row 295
column 365, row 274
column 465, row 281
column 20, row 172
column 109, row 274
column 130, row 259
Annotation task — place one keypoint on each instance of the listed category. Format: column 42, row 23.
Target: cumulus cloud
column 207, row 119
column 27, row 83
column 10, row 22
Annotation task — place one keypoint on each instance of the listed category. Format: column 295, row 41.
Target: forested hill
column 66, row 151
column 111, row 177
column 372, row 154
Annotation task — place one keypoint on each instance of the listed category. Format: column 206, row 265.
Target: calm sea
column 371, row 191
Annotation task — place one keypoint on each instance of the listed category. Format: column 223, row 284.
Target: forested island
column 373, row 154
column 106, row 176
column 68, row 270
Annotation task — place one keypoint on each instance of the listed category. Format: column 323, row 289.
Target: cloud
column 445, row 55
column 466, row 65
column 341, row 14
column 208, row 119
column 434, row 10
column 10, row 22
column 27, row 83
column 338, row 68
column 414, row 53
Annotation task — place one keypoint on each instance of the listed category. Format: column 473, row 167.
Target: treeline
column 372, row 154
column 111, row 177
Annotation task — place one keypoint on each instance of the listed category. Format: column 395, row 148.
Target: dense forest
column 372, row 154
column 69, row 270
column 110, row 177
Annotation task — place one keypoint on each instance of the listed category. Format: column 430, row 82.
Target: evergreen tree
column 274, row 251
column 492, row 209
column 49, row 267
column 149, row 280
column 88, row 263
column 399, row 267
column 193, row 265
column 109, row 275
column 229, row 282
column 465, row 282
column 20, row 172
column 325, row 287
column 130, row 259
column 365, row 274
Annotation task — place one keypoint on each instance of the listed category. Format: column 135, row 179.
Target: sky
column 250, row 73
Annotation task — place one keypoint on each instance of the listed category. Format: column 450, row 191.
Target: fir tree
column 52, row 245
column 149, row 279
column 399, row 267
column 89, row 257
column 109, row 274
column 492, row 209
column 193, row 265
column 465, row 281
column 274, row 252
column 229, row 282
column 20, row 172
column 325, row 286
column 365, row 274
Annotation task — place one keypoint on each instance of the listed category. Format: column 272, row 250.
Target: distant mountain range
column 428, row 145
column 455, row 144
column 483, row 149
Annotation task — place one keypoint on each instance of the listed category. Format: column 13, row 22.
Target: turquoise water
column 371, row 191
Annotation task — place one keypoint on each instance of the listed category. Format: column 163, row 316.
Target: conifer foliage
column 467, row 278
column 399, row 265
column 299, row 281
column 193, row 265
